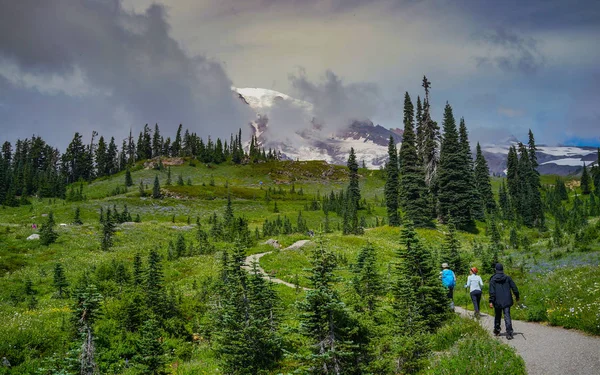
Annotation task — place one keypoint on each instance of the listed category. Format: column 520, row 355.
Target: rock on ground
column 34, row 236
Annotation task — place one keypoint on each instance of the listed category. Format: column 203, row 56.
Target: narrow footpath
column 255, row 258
column 546, row 350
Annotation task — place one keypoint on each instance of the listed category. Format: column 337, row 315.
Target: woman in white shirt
column 475, row 283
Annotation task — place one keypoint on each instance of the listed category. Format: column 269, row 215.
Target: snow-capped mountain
column 561, row 160
column 289, row 125
column 304, row 138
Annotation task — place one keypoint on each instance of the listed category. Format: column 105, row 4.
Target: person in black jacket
column 501, row 299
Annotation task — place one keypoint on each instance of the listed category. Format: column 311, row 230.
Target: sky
column 111, row 65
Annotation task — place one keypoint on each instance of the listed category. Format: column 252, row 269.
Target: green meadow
column 559, row 284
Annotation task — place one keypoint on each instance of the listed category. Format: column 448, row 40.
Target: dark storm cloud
column 337, row 104
column 510, row 52
column 535, row 14
column 136, row 72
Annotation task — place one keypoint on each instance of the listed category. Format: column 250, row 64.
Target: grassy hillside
column 39, row 337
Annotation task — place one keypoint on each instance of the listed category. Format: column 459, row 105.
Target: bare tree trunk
column 87, row 364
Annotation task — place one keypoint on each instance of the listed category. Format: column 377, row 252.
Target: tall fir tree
column 450, row 252
column 155, row 291
column 367, row 281
column 60, row 281
column 156, row 194
column 536, row 186
column 247, row 335
column 586, row 181
column 418, row 278
column 101, row 158
column 108, row 231
column 326, row 321
column 391, row 184
column 595, row 171
column 420, row 131
column 47, row 233
column 453, row 177
column 176, row 146
column 151, row 349
column 413, row 191
column 431, row 133
column 157, row 146
column 483, row 183
column 512, row 165
column 128, row 179
column 477, row 207
column 77, row 217
column 352, row 196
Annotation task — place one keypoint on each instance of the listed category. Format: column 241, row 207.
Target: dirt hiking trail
column 548, row 350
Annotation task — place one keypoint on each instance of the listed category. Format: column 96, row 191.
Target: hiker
column 501, row 299
column 449, row 281
column 475, row 283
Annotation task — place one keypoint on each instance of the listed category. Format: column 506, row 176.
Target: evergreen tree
column 128, row 179
column 30, row 294
column 151, row 350
column 155, row 293
column 483, row 183
column 176, row 146
column 413, row 192
column 596, row 174
column 367, row 280
column 353, row 187
column 453, row 177
column 247, row 336
column 512, row 165
column 108, row 231
column 477, row 207
column 168, row 183
column 514, row 238
column 180, row 181
column 77, row 217
column 141, row 188
column 60, row 281
column 504, row 202
column 420, row 133
column 391, row 184
column 417, row 277
column 326, row 321
column 180, row 246
column 157, row 146
column 451, row 251
column 112, row 162
column 101, row 158
column 585, row 181
column 352, row 196
column 47, row 233
column 431, row 133
column 138, row 273
column 156, row 194
column 534, row 181
column 228, row 216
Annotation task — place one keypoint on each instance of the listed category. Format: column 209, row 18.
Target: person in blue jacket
column 449, row 282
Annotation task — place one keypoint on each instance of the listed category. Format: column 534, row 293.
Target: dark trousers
column 476, row 298
column 507, row 321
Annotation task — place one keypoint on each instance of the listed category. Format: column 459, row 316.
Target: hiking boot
column 509, row 336
column 496, row 333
